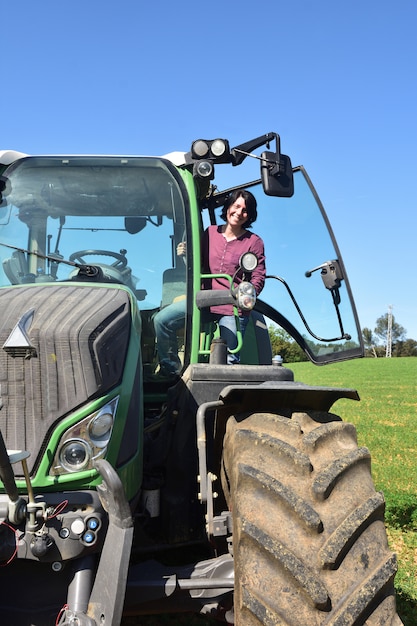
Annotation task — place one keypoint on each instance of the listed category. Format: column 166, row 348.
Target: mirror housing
column 277, row 174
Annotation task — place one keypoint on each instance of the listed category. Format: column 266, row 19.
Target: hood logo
column 18, row 343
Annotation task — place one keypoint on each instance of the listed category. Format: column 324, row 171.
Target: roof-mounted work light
column 217, row 150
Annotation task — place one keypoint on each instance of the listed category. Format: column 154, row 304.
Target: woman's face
column 237, row 214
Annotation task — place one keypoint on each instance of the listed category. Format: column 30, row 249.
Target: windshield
column 110, row 212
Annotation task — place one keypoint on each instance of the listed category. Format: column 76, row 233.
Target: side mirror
column 277, row 175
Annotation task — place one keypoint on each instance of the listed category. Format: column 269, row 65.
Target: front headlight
column 75, row 455
column 100, row 427
column 86, row 441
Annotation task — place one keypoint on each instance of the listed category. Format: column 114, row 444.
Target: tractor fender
column 283, row 394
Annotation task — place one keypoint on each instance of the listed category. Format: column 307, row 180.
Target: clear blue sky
column 336, row 80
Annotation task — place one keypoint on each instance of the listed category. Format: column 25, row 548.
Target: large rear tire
column 309, row 540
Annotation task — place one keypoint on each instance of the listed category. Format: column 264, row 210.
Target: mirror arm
column 240, row 152
column 336, row 295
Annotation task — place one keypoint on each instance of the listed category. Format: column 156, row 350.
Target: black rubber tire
column 309, row 540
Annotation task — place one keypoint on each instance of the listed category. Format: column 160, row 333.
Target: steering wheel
column 119, row 264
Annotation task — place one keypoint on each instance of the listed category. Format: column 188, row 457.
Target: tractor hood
column 61, row 346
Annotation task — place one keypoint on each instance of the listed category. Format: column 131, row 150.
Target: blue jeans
column 166, row 322
column 227, row 327
column 172, row 318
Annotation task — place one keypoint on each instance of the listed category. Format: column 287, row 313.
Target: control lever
column 17, row 507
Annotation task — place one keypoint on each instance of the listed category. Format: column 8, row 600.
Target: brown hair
column 250, row 202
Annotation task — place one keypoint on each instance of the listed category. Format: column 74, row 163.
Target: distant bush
column 283, row 344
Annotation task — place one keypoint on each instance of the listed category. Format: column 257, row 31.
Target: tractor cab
column 119, row 221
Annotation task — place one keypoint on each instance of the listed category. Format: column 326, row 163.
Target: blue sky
column 336, row 80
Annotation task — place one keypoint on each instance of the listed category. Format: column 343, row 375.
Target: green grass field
column 385, row 420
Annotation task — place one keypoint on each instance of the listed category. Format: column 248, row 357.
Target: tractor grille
column 77, row 339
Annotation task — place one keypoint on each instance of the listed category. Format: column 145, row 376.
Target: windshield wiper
column 89, row 271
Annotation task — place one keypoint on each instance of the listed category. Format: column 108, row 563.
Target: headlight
column 100, row 428
column 246, row 296
column 203, row 169
column 200, row 148
column 217, row 150
column 75, row 455
column 86, row 441
column 218, row 147
column 248, row 261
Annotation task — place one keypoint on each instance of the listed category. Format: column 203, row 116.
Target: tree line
column 375, row 341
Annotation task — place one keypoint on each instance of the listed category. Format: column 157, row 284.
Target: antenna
column 388, row 352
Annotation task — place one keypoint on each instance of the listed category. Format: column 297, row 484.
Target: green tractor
column 129, row 488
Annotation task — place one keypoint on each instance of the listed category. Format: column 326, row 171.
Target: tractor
column 130, row 488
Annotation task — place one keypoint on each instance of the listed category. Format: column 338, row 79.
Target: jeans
column 228, row 330
column 172, row 317
column 166, row 322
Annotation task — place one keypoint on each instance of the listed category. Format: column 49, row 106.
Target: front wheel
column 309, row 540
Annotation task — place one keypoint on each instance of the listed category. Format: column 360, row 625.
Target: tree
column 398, row 333
column 406, row 348
column 369, row 341
column 282, row 343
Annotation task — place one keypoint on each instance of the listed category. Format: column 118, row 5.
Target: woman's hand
column 182, row 249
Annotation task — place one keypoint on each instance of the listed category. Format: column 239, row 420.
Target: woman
column 222, row 248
